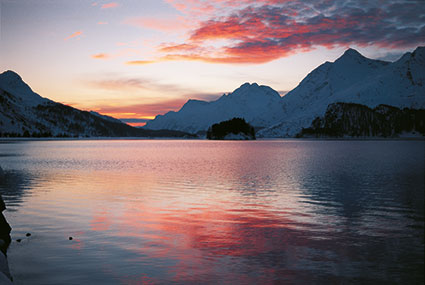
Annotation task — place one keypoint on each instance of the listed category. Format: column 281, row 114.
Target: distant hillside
column 25, row 113
column 355, row 120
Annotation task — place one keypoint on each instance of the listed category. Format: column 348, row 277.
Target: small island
column 234, row 129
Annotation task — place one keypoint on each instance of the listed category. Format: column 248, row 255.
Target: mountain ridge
column 368, row 82
column 198, row 115
column 351, row 78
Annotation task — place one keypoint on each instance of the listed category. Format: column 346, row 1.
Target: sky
column 136, row 59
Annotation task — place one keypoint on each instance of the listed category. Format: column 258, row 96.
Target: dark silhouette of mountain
column 355, row 120
column 235, row 128
column 24, row 113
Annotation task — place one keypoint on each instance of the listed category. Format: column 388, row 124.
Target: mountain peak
column 351, row 56
column 254, row 90
column 247, row 85
column 10, row 76
column 11, row 82
column 352, row 53
column 10, row 79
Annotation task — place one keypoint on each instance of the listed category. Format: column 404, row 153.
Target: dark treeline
column 234, row 126
column 355, row 120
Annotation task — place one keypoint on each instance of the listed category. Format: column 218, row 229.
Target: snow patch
column 239, row 136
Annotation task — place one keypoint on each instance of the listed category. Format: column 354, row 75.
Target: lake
column 197, row 211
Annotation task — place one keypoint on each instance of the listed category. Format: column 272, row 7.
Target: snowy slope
column 12, row 83
column 260, row 106
column 352, row 78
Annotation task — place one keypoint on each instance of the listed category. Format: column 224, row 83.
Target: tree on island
column 235, row 126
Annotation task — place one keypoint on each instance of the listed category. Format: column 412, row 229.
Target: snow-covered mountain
column 25, row 113
column 260, row 106
column 352, row 78
column 12, row 83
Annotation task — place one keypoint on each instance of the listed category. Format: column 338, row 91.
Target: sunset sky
column 140, row 58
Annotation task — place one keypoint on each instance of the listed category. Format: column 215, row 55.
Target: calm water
column 215, row 212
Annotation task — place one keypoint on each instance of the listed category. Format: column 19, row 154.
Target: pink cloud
column 264, row 30
column 148, row 110
column 76, row 34
column 110, row 5
column 160, row 24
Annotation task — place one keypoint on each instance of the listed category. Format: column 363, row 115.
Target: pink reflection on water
column 141, row 279
column 76, row 242
column 189, row 215
column 198, row 237
column 100, row 222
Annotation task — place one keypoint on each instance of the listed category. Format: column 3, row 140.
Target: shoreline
column 5, row 239
column 20, row 139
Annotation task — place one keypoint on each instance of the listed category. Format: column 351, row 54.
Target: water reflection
column 13, row 186
column 199, row 211
column 379, row 180
column 257, row 245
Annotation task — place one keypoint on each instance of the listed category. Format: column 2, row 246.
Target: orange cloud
column 244, row 57
column 102, row 23
column 100, row 56
column 119, row 53
column 110, row 5
column 135, row 124
column 141, row 111
column 140, row 62
column 76, row 34
column 180, row 47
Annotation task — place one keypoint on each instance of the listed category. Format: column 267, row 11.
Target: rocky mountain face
column 352, row 78
column 355, row 120
column 25, row 113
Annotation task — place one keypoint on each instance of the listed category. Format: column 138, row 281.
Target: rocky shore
column 5, row 277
